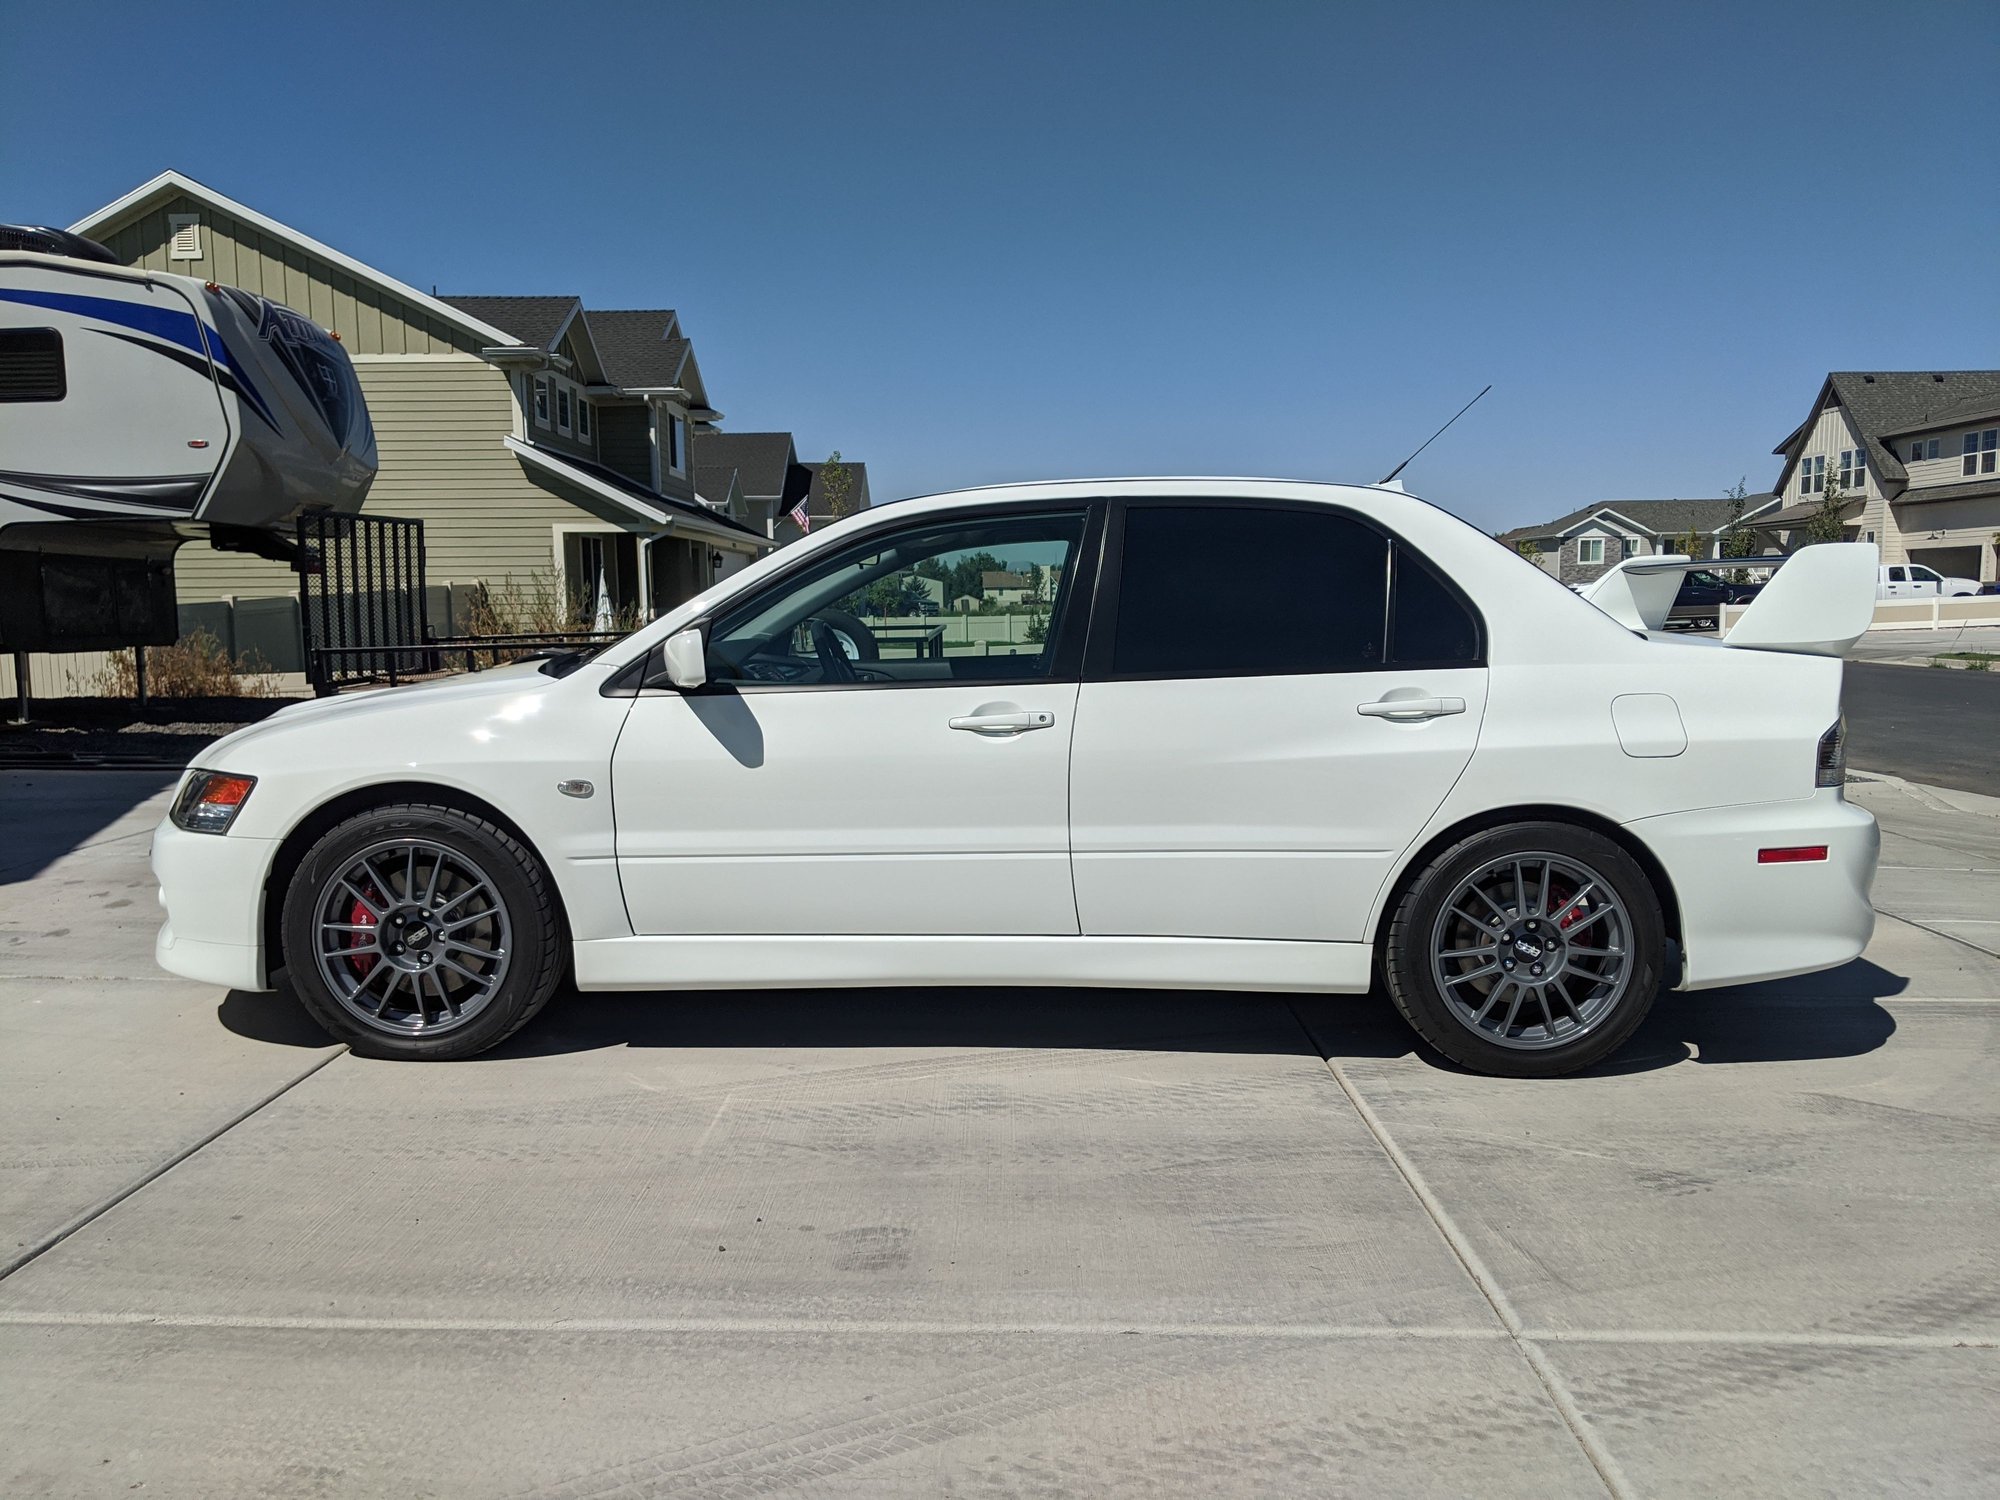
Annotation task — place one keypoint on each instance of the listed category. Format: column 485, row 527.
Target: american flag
column 799, row 516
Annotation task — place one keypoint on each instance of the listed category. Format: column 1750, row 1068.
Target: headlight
column 210, row 800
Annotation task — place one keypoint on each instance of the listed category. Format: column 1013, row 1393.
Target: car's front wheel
column 1527, row 951
column 421, row 932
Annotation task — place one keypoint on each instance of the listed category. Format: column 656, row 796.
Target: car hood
column 498, row 682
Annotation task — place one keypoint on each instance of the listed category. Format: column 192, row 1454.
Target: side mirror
column 686, row 655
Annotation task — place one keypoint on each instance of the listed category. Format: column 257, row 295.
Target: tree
column 836, row 485
column 1691, row 542
column 1738, row 540
column 1528, row 547
column 1827, row 524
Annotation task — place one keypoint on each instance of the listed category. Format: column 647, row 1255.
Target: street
column 995, row 1242
column 1925, row 724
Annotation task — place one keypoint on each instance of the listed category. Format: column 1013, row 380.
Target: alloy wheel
column 1532, row 951
column 412, row 937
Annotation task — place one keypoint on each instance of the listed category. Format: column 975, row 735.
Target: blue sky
column 983, row 242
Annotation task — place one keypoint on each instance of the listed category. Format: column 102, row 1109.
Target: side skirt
column 742, row 963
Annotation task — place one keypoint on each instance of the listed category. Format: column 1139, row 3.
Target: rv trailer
column 140, row 411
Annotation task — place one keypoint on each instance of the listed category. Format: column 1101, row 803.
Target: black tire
column 530, row 924
column 1565, row 1044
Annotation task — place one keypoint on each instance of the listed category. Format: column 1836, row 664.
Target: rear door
column 1277, row 697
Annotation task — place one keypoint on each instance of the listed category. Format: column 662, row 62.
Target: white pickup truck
column 1915, row 581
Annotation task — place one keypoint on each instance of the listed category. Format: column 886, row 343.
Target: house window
column 562, row 409
column 1589, row 550
column 1981, row 448
column 1922, row 449
column 1629, row 547
column 1853, row 469
column 1812, row 475
column 541, row 401
column 582, row 417
column 676, row 445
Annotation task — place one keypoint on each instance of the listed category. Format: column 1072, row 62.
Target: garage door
column 1953, row 562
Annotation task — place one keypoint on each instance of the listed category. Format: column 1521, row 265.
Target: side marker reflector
column 1802, row 855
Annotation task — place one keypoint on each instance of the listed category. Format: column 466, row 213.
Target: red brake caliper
column 363, row 964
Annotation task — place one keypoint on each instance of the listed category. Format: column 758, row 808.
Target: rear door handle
column 1002, row 724
column 1410, row 710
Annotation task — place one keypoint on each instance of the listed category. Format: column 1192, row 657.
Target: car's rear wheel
column 421, row 932
column 1527, row 951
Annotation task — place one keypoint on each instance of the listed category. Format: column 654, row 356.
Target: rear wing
column 1818, row 603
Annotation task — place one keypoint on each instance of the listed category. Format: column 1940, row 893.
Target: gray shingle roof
column 640, row 347
column 1659, row 518
column 1984, row 487
column 1885, row 404
column 535, row 321
column 641, row 492
column 712, row 481
column 765, row 462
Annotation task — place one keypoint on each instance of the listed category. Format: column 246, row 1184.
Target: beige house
column 1915, row 456
column 534, row 438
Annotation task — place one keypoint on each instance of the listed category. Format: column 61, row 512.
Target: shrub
column 195, row 666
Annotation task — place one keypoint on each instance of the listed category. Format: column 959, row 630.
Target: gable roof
column 170, row 184
column 648, row 504
column 766, row 462
column 642, row 347
column 1653, row 518
column 1886, row 404
column 535, row 321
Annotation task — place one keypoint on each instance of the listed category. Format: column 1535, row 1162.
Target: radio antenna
column 1391, row 475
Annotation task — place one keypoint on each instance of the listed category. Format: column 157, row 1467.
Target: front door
column 1280, row 702
column 866, row 759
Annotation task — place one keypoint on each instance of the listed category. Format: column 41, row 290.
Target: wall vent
column 186, row 241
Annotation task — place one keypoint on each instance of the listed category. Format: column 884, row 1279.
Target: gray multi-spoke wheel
column 1528, row 950
column 421, row 932
column 1533, row 950
column 413, row 938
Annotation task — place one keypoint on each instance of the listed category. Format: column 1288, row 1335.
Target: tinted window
column 31, row 365
column 1237, row 591
column 977, row 599
column 1431, row 625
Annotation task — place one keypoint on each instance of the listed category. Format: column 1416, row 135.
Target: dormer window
column 582, row 417
column 1981, row 449
column 541, row 400
column 563, row 423
column 1922, row 449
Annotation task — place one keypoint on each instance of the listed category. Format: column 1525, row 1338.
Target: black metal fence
column 362, row 609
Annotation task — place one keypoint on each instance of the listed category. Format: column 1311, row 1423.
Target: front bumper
column 1742, row 921
column 212, row 890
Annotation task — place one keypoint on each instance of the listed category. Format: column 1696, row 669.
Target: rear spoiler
column 1818, row 603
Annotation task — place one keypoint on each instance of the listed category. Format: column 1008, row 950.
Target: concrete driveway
column 991, row 1243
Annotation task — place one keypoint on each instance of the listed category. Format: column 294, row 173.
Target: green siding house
column 529, row 434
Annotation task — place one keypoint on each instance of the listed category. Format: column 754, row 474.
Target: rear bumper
column 1742, row 921
column 212, row 890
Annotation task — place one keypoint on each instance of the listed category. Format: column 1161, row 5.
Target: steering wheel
column 833, row 663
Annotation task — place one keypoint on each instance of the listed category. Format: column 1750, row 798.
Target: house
column 1579, row 546
column 530, row 435
column 773, row 481
column 1006, row 588
column 1914, row 455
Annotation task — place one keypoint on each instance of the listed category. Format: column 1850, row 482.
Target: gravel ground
column 114, row 731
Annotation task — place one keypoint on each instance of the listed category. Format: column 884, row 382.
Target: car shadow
column 1827, row 1015
column 50, row 813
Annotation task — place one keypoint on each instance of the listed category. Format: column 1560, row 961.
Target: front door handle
column 1002, row 724
column 1411, row 710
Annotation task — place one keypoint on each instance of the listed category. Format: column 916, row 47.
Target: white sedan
column 1230, row 734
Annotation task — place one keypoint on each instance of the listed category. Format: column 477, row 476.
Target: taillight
column 1830, row 767
column 210, row 801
